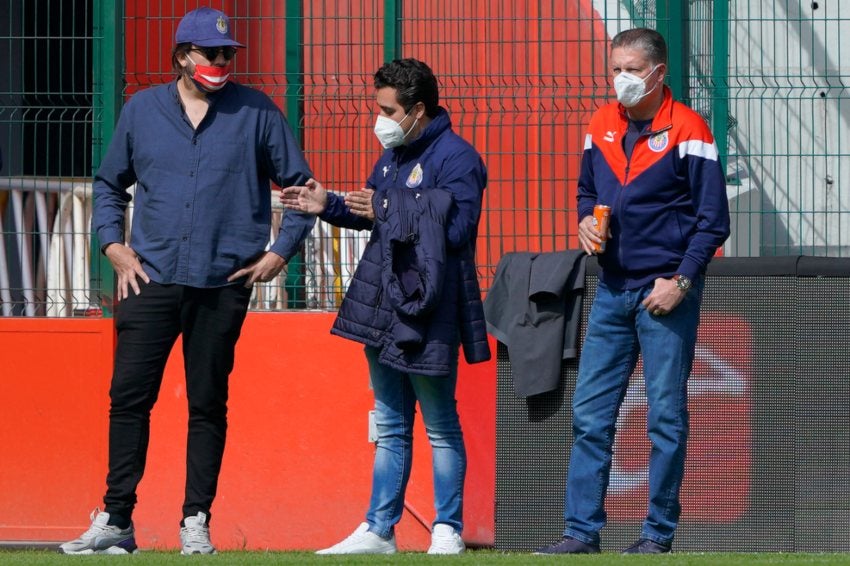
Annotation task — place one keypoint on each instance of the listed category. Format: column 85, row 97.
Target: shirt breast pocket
column 227, row 156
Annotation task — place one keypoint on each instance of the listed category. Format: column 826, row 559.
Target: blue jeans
column 396, row 394
column 620, row 329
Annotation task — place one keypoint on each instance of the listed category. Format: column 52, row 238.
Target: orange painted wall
column 297, row 467
column 53, row 403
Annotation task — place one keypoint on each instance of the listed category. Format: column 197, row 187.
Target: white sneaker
column 101, row 538
column 445, row 540
column 361, row 541
column 195, row 535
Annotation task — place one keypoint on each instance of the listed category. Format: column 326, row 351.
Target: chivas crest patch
column 415, row 178
column 658, row 142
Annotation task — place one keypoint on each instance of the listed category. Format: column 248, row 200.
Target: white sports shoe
column 445, row 540
column 101, row 538
column 195, row 535
column 361, row 541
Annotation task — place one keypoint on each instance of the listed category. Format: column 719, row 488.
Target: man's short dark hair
column 649, row 40
column 413, row 80
column 179, row 49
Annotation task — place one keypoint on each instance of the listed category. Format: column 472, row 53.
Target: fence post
column 107, row 87
column 392, row 30
column 295, row 114
column 720, row 76
column 672, row 23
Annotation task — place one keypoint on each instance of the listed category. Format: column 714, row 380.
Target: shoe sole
column 112, row 550
column 340, row 553
column 564, row 553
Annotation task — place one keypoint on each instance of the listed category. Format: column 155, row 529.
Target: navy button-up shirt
column 203, row 197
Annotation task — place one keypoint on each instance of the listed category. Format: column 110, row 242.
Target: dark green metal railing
column 768, row 77
column 107, row 87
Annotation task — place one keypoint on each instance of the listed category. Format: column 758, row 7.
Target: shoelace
column 95, row 529
column 196, row 534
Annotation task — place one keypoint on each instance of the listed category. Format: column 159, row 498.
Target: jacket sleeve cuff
column 282, row 248
column 334, row 209
column 294, row 230
column 690, row 269
column 107, row 236
column 584, row 211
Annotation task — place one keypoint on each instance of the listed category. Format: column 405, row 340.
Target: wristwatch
column 682, row 282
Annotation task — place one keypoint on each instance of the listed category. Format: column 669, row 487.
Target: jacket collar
column 663, row 119
column 439, row 123
column 212, row 97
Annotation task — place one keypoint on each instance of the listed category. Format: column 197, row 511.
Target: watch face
column 683, row 283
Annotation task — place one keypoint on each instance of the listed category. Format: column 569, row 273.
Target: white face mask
column 631, row 89
column 389, row 132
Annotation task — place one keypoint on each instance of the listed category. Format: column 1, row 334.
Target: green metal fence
column 46, row 120
column 520, row 80
column 788, row 111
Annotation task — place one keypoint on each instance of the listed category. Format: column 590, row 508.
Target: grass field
column 40, row 557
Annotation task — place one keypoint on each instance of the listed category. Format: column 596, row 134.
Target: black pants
column 210, row 321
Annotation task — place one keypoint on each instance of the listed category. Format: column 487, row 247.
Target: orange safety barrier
column 297, row 467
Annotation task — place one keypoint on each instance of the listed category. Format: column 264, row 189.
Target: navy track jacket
column 438, row 159
column 669, row 211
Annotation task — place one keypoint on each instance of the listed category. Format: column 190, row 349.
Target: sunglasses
column 211, row 53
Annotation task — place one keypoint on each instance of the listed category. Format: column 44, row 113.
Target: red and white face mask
column 209, row 77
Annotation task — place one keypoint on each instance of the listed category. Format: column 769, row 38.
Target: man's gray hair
column 649, row 40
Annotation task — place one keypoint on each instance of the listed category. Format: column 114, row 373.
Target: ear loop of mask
column 413, row 125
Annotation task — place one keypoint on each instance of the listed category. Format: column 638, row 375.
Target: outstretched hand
column 311, row 197
column 360, row 203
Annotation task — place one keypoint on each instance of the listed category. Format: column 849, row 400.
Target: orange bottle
column 601, row 219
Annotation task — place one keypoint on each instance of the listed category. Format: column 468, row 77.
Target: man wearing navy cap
column 201, row 151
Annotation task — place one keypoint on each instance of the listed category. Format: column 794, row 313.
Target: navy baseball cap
column 205, row 27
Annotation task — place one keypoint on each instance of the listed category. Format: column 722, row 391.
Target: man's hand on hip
column 665, row 297
column 264, row 269
column 127, row 268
